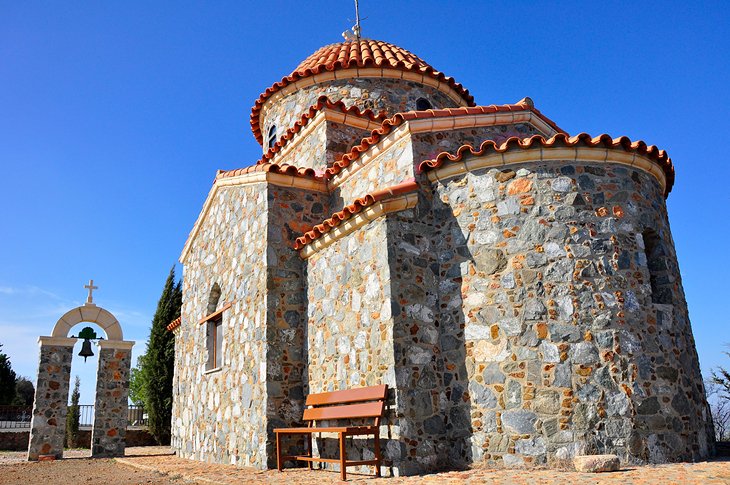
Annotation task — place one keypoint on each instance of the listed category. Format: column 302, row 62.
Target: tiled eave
column 582, row 147
column 360, row 212
column 323, row 110
column 174, row 324
column 435, row 120
column 283, row 176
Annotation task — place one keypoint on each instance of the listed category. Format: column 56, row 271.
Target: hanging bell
column 86, row 349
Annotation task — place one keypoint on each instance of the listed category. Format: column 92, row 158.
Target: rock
column 534, row 446
column 508, row 280
column 510, row 460
column 508, row 206
column 434, row 425
column 492, row 374
column 649, row 406
column 575, row 199
column 562, row 184
column 519, row 422
column 584, row 353
column 505, row 175
column 596, row 463
column 490, row 260
column 482, row 396
column 550, row 352
column 534, row 310
column 513, row 395
column 476, row 332
column 546, row 402
column 510, row 326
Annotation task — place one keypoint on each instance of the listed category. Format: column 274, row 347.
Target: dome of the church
column 391, row 60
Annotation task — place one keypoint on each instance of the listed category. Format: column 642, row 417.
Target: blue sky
column 116, row 115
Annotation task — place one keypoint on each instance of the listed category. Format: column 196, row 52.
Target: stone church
column 516, row 287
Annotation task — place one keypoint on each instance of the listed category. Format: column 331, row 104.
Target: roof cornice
column 582, row 147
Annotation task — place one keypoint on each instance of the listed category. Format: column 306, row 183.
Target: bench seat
column 328, row 429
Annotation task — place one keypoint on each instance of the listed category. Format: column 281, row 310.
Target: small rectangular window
column 214, row 343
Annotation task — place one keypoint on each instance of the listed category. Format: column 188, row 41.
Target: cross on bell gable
column 91, row 288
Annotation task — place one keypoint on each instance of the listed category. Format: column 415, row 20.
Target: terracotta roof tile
column 174, row 324
column 283, row 169
column 560, row 140
column 399, row 118
column 337, row 218
column 322, row 103
column 351, row 54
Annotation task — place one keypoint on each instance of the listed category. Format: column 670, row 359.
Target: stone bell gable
column 516, row 288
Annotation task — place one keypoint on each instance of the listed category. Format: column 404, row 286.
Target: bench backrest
column 364, row 402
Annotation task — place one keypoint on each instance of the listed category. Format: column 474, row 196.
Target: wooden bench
column 352, row 404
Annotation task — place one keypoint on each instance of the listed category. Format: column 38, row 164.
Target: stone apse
column 48, row 426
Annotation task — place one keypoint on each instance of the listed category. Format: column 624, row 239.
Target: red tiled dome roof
column 352, row 54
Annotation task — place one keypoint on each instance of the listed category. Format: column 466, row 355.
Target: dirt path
column 78, row 469
column 157, row 465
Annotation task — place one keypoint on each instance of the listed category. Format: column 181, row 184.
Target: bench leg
column 377, row 453
column 343, row 457
column 311, row 450
column 279, row 464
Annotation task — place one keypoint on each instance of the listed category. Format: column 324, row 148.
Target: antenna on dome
column 354, row 33
column 356, row 28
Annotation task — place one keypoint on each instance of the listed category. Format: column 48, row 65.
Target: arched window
column 271, row 139
column 422, row 104
column 215, row 296
column 214, row 330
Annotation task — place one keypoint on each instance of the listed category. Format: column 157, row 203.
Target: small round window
column 271, row 139
column 422, row 104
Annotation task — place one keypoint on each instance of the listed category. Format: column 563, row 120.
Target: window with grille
column 271, row 139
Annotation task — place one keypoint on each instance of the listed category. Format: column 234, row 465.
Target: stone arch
column 214, row 298
column 89, row 313
column 48, row 425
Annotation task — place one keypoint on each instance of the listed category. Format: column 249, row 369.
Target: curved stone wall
column 390, row 95
column 577, row 337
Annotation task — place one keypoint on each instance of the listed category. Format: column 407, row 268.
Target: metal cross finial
column 91, row 289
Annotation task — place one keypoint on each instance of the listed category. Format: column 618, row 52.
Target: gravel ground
column 159, row 466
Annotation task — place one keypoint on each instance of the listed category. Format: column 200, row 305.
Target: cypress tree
column 159, row 362
column 7, row 379
column 73, row 417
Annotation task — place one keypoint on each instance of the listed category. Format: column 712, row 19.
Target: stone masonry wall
column 290, row 211
column 244, row 245
column 50, row 407
column 340, row 140
column 392, row 166
column 309, row 151
column 110, row 410
column 565, row 350
column 427, row 146
column 398, row 162
column 221, row 416
column 325, row 144
column 390, row 95
column 350, row 330
column 432, row 399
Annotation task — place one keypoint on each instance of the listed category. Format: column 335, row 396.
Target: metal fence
column 86, row 415
column 136, row 416
column 19, row 416
column 15, row 416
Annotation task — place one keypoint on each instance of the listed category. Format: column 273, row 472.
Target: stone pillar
column 112, row 389
column 50, row 406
